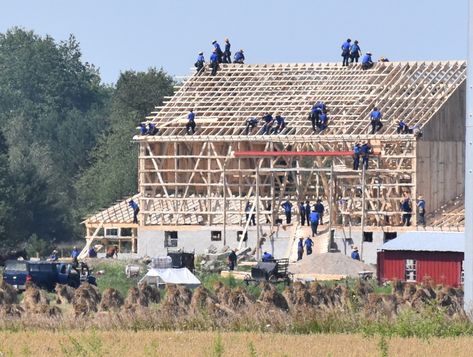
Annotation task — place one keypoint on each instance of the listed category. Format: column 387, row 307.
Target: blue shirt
column 279, row 119
column 267, row 257
column 287, row 206
column 376, row 115
column 314, row 217
column 406, row 205
column 356, row 149
column 319, row 207
column 402, row 125
column 365, row 149
column 309, row 243
column 191, row 116
column 323, row 117
column 143, row 129
column 302, row 209
column 217, row 47
column 355, row 255
column 421, row 204
column 227, row 46
column 239, row 56
column 214, row 57
column 268, row 118
column 200, row 58
column 346, row 46
column 133, row 204
column 366, row 59
column 74, row 253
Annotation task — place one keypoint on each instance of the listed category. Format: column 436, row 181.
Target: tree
column 113, row 174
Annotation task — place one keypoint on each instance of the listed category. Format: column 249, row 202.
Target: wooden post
column 331, row 212
column 258, row 252
column 225, row 205
column 363, row 173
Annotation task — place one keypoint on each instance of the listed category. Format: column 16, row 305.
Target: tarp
column 180, row 276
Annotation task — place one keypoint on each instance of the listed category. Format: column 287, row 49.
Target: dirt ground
column 157, row 343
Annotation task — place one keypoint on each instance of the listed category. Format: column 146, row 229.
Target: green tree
column 113, row 173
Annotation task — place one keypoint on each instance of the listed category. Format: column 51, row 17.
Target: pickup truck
column 45, row 274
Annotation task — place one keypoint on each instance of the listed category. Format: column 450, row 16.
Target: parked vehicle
column 45, row 274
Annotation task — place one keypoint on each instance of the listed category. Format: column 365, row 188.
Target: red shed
column 415, row 255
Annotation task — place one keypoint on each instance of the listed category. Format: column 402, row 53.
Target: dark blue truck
column 45, row 274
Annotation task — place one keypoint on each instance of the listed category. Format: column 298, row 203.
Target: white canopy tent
column 180, row 276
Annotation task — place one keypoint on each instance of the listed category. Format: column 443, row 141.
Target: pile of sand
column 330, row 263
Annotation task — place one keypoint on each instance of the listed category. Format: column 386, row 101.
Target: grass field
column 152, row 343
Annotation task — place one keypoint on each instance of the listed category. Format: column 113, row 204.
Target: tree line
column 65, row 137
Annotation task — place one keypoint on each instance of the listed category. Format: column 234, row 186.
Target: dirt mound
column 8, row 294
column 64, row 294
column 270, row 296
column 111, row 300
column 151, row 292
column 86, row 299
column 330, row 264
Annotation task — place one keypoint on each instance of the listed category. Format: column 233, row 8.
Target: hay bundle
column 409, row 291
column 177, row 299
column 381, row 305
column 151, row 292
column 11, row 310
column 222, row 292
column 8, row 294
column 35, row 300
column 362, row 289
column 298, row 295
column 398, row 287
column 239, row 298
column 340, row 296
column 270, row 296
column 449, row 299
column 202, row 300
column 319, row 295
column 86, row 299
column 419, row 298
column 135, row 299
column 111, row 300
column 64, row 294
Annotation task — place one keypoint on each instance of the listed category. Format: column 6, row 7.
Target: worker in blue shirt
column 75, row 253
column 267, row 257
column 307, row 212
column 54, row 256
column 251, row 123
column 190, row 122
column 406, row 207
column 354, row 254
column 365, row 152
column 421, row 210
column 367, row 62
column 314, row 116
column 280, row 124
column 218, row 51
column 356, row 156
column 143, row 129
column 287, row 211
column 319, row 208
column 199, row 64
column 239, row 57
column 355, row 52
column 214, row 63
column 152, row 130
column 314, row 222
column 375, row 117
column 346, row 52
column 402, row 127
column 309, row 243
column 302, row 213
column 268, row 122
column 227, row 54
column 136, row 210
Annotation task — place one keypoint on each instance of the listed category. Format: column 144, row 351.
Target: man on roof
column 346, row 52
column 214, row 62
column 190, row 126
column 199, row 64
column 239, row 57
column 367, row 62
column 218, row 51
column 227, row 54
column 375, row 117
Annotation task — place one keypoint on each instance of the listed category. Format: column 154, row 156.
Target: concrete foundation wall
column 151, row 241
column 370, row 249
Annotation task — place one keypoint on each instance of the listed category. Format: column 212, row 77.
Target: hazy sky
column 118, row 35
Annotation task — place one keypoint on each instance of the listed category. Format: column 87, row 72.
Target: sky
column 119, row 35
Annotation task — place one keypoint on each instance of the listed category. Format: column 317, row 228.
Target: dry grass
column 148, row 343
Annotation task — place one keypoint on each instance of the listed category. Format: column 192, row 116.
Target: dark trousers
column 252, row 219
column 366, row 66
column 214, row 66
column 227, row 57
column 421, row 218
column 354, row 58
column 190, row 125
column 199, row 66
column 266, row 129
column 365, row 162
column 345, row 56
column 288, row 217
column 309, row 250
column 314, row 118
column 231, row 265
column 300, row 253
column 314, row 226
column 356, row 162
column 308, row 218
column 321, row 218
column 376, row 126
column 406, row 219
column 302, row 219
column 249, row 128
column 135, row 215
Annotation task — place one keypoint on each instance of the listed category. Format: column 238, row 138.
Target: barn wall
column 442, row 267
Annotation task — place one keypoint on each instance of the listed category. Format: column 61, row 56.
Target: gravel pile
column 330, row 263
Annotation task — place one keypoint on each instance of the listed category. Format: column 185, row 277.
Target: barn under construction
column 194, row 189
